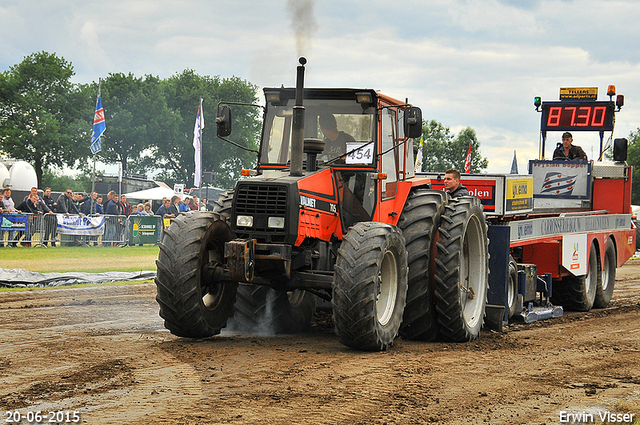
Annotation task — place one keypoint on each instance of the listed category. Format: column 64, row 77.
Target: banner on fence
column 76, row 225
column 13, row 221
column 143, row 230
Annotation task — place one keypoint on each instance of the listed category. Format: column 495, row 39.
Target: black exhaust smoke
column 297, row 131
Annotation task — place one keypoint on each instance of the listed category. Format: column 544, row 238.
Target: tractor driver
column 568, row 151
column 452, row 183
column 335, row 140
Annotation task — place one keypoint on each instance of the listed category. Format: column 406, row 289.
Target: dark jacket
column 27, row 206
column 125, row 207
column 113, row 208
column 50, row 203
column 88, row 207
column 459, row 191
column 575, row 153
column 65, row 205
column 173, row 209
column 162, row 211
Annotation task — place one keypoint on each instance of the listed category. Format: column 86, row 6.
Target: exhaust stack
column 297, row 130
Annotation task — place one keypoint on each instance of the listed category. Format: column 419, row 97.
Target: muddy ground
column 103, row 352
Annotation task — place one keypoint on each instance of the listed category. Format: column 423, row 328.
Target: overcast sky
column 465, row 63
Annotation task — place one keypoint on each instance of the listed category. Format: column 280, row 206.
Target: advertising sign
column 77, row 225
column 13, row 221
column 481, row 187
column 499, row 194
column 519, row 192
column 143, row 230
column 561, row 179
column 574, row 254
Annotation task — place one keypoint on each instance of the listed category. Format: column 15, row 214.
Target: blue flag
column 99, row 125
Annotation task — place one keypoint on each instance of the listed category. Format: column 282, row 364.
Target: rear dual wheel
column 512, row 289
column 419, row 223
column 462, row 270
column 604, row 290
column 578, row 293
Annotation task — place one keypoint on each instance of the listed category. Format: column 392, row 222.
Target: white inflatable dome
column 22, row 176
column 4, row 174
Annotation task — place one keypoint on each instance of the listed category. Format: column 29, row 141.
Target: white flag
column 197, row 145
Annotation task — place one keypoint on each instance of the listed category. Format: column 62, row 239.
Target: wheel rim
column 605, row 271
column 472, row 273
column 387, row 288
column 593, row 272
column 211, row 298
column 511, row 289
column 213, row 253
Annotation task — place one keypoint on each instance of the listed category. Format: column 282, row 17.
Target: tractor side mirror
column 223, row 121
column 413, row 122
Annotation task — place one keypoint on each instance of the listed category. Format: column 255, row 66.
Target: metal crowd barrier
column 42, row 230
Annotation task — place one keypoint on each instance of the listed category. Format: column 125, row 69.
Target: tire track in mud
column 91, row 349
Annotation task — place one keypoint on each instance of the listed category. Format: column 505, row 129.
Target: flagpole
column 93, row 177
column 201, row 147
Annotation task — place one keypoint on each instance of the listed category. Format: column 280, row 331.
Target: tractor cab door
column 393, row 153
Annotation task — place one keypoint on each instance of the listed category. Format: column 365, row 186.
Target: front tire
column 462, row 270
column 191, row 306
column 370, row 286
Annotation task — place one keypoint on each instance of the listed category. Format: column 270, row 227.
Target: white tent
column 153, row 194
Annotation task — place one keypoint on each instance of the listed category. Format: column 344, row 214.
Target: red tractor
column 333, row 210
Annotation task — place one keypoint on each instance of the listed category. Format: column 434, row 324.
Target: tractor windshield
column 344, row 125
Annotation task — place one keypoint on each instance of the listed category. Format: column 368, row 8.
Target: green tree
column 43, row 116
column 442, row 150
column 633, row 159
column 137, row 119
column 59, row 182
column 183, row 93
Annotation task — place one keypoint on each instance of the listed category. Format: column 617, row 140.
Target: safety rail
column 30, row 230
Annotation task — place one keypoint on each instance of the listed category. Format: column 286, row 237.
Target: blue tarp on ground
column 18, row 277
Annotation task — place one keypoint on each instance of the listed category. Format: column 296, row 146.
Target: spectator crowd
column 116, row 209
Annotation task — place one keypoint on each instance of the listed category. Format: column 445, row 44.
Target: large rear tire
column 419, row 224
column 223, row 204
column 578, row 293
column 370, row 286
column 191, row 306
column 604, row 290
column 462, row 270
column 262, row 310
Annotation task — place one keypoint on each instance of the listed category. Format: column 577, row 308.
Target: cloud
column 464, row 62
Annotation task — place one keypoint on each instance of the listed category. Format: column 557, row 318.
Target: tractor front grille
column 261, row 201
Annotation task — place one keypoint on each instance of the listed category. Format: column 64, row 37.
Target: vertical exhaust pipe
column 297, row 130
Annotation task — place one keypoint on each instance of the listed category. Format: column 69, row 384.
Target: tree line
column 47, row 120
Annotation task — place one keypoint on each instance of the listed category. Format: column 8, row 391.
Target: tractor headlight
column 276, row 222
column 244, row 221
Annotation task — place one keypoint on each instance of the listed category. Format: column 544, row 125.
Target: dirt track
column 103, row 351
